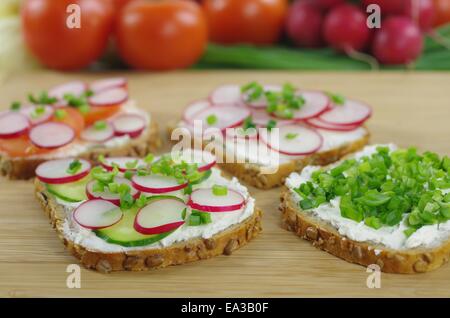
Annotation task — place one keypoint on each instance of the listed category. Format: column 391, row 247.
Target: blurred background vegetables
column 276, row 34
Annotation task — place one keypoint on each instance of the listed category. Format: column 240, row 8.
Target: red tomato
column 73, row 118
column 257, row 22
column 161, row 35
column 97, row 113
column 20, row 147
column 119, row 4
column 56, row 45
column 442, row 12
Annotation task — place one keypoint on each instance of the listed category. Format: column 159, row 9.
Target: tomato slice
column 73, row 118
column 20, row 147
column 97, row 113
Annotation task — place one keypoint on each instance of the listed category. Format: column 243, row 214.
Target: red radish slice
column 205, row 200
column 316, row 122
column 123, row 163
column 93, row 134
column 350, row 113
column 156, row 183
column 225, row 116
column 204, row 159
column 262, row 102
column 51, row 135
column 56, row 171
column 75, row 88
column 13, row 124
column 108, row 195
column 97, row 214
column 33, row 115
column 294, row 140
column 226, row 94
column 109, row 97
column 241, row 133
column 192, row 109
column 108, row 83
column 160, row 216
column 261, row 118
column 315, row 104
column 129, row 124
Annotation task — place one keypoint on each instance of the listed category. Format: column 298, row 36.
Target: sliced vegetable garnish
column 129, row 124
column 293, row 140
column 314, row 103
column 206, row 200
column 385, row 188
column 155, row 183
column 51, row 135
column 254, row 94
column 224, row 116
column 37, row 114
column 97, row 214
column 204, row 159
column 59, row 171
column 75, row 88
column 316, row 122
column 108, row 83
column 123, row 163
column 219, row 190
column 113, row 192
column 13, row 124
column 109, row 97
column 226, row 94
column 160, row 216
column 350, row 113
column 192, row 109
column 97, row 132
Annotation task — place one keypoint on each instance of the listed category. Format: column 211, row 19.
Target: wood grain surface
column 409, row 109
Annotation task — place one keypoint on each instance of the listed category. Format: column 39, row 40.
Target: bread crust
column 24, row 168
column 251, row 173
column 326, row 237
column 224, row 242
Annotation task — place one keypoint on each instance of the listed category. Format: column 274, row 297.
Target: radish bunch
column 344, row 26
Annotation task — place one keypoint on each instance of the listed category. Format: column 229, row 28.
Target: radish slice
column 262, row 102
column 56, row 171
column 293, row 140
column 93, row 134
column 129, row 124
column 261, row 118
column 205, row 200
column 224, row 116
column 315, row 104
column 160, row 216
column 108, row 195
column 204, row 159
column 123, row 163
column 350, row 113
column 51, row 135
column 241, row 133
column 226, row 94
column 192, row 109
column 35, row 117
column 13, row 124
column 75, row 88
column 155, row 183
column 316, row 122
column 109, row 97
column 104, row 84
column 97, row 214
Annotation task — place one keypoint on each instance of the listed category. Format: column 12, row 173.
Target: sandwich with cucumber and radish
column 383, row 206
column 276, row 128
column 136, row 214
column 74, row 119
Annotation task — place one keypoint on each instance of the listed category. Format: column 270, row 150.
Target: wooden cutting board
column 409, row 109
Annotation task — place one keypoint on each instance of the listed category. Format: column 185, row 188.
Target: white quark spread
column 220, row 222
column 79, row 146
column 428, row 236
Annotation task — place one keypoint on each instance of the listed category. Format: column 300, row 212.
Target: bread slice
column 326, row 237
column 224, row 242
column 251, row 174
column 24, row 168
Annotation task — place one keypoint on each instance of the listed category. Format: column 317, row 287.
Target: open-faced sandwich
column 138, row 214
column 74, row 120
column 313, row 127
column 384, row 206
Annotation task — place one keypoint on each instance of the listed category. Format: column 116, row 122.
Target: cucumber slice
column 124, row 234
column 203, row 177
column 70, row 192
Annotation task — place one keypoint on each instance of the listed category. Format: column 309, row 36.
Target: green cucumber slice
column 124, row 234
column 70, row 192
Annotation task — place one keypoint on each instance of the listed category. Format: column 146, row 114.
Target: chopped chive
column 219, row 190
column 291, row 136
column 60, row 114
column 211, row 119
column 74, row 167
column 100, row 125
column 15, row 106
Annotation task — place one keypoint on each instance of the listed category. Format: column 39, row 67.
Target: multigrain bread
column 326, row 237
column 24, row 168
column 224, row 242
column 251, row 174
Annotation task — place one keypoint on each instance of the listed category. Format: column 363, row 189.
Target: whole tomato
column 442, row 12
column 257, row 22
column 55, row 44
column 161, row 35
